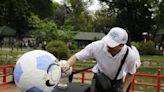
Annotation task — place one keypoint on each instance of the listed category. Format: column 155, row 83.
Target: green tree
column 43, row 8
column 158, row 16
column 47, row 28
column 14, row 14
column 61, row 13
column 133, row 15
column 80, row 19
column 103, row 22
column 58, row 49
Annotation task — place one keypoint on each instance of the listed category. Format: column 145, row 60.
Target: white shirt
column 138, row 60
column 106, row 63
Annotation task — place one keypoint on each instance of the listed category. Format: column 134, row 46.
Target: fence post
column 133, row 83
column 83, row 75
column 158, row 80
column 4, row 74
column 13, row 73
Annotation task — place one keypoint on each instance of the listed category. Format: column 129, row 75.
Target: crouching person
column 115, row 61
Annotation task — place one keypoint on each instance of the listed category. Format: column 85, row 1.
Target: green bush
column 9, row 57
column 137, row 45
column 147, row 48
column 73, row 47
column 59, row 49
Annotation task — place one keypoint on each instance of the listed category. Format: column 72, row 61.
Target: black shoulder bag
column 103, row 80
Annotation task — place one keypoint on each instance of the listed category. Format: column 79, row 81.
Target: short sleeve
column 138, row 60
column 85, row 53
column 132, row 68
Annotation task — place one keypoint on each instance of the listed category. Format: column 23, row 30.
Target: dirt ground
column 9, row 88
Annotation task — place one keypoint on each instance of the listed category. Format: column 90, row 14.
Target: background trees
column 133, row 15
column 137, row 16
column 14, row 13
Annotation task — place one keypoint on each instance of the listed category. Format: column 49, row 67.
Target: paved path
column 9, row 88
column 13, row 88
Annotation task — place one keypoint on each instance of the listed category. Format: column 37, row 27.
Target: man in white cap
column 109, row 53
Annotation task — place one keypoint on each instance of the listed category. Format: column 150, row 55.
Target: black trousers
column 116, row 86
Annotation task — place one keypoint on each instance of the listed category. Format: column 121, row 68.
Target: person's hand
column 65, row 67
column 123, row 90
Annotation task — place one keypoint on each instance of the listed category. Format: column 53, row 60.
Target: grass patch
column 152, row 58
column 152, row 61
column 8, row 57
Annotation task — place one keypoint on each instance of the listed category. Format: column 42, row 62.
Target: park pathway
column 9, row 88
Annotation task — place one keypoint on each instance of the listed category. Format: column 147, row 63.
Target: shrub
column 137, row 45
column 73, row 47
column 59, row 49
column 147, row 48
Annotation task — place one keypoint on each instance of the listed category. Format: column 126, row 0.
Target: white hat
column 115, row 37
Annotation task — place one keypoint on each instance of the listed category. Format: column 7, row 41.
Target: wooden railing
column 7, row 70
column 83, row 77
column 158, row 77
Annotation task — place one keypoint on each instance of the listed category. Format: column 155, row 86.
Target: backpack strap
column 122, row 62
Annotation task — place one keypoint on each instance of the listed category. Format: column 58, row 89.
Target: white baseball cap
column 115, row 37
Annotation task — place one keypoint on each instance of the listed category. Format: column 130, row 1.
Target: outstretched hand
column 64, row 67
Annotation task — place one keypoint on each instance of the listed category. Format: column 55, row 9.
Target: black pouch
column 103, row 80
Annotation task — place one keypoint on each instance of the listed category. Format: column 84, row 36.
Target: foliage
column 58, row 48
column 43, row 8
column 158, row 12
column 103, row 22
column 147, row 48
column 61, row 13
column 9, row 57
column 14, row 14
column 80, row 19
column 137, row 16
column 161, row 17
column 73, row 47
column 133, row 15
column 47, row 28
column 137, row 45
column 65, row 36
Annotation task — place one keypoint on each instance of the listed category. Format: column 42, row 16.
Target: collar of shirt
column 122, row 51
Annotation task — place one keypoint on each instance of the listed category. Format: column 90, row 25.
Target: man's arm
column 72, row 60
column 128, row 79
column 69, row 63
